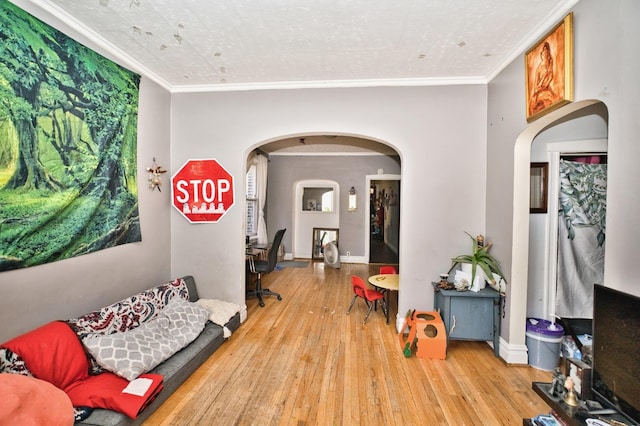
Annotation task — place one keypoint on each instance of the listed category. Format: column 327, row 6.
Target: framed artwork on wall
column 549, row 71
column 538, row 187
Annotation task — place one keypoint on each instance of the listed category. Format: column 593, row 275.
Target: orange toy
column 426, row 333
column 431, row 335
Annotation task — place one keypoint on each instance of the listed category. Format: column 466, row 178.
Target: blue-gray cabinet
column 470, row 315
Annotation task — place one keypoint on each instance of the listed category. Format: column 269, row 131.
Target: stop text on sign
column 202, row 190
column 207, row 189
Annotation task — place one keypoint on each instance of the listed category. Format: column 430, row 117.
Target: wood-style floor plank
column 303, row 361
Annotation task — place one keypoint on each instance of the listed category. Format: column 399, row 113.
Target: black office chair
column 261, row 267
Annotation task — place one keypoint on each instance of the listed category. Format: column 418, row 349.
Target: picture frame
column 580, row 372
column 549, row 71
column 538, row 187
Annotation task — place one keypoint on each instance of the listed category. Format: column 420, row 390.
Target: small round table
column 388, row 282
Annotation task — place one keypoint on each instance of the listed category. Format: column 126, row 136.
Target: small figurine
column 558, row 383
column 570, row 398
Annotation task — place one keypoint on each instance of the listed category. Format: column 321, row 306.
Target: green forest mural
column 68, row 134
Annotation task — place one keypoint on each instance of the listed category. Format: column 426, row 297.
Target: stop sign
column 202, row 190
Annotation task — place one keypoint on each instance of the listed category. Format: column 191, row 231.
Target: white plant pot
column 480, row 281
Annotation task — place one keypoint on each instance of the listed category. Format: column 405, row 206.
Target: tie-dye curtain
column 68, row 132
column 581, row 236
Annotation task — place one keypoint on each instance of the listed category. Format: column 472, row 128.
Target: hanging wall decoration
column 549, row 71
column 68, row 129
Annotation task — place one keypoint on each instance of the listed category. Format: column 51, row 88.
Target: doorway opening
column 518, row 294
column 384, row 218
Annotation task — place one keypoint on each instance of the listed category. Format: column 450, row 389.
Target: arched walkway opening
column 520, row 234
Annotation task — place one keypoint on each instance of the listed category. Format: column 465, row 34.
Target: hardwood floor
column 304, row 361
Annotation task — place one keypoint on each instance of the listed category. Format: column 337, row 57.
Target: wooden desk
column 266, row 246
column 387, row 282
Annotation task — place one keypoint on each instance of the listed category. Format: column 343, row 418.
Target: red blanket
column 54, row 353
column 105, row 391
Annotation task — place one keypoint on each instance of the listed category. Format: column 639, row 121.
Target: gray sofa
column 58, row 353
column 175, row 369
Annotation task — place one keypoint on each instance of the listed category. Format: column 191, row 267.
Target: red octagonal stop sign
column 202, row 190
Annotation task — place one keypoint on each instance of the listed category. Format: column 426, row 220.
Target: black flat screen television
column 615, row 377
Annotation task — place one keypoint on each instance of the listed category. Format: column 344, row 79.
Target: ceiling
column 197, row 45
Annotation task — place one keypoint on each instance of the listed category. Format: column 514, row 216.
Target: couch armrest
column 191, row 286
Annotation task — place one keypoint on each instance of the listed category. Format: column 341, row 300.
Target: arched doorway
column 520, row 230
column 346, row 160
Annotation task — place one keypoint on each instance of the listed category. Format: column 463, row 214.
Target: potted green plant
column 479, row 257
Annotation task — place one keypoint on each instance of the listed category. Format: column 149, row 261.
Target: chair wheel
column 261, row 304
column 279, row 297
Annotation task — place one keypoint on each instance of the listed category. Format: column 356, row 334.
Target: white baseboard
column 345, row 259
column 353, row 259
column 514, row 354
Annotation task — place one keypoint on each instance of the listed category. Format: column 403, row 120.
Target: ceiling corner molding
column 333, row 84
column 37, row 7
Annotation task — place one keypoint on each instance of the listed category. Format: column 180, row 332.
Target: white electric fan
column 331, row 255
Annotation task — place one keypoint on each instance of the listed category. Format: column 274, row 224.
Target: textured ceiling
column 193, row 45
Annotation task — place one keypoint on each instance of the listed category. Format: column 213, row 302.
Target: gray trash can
column 544, row 340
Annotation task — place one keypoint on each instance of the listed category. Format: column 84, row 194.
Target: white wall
column 443, row 170
column 305, row 221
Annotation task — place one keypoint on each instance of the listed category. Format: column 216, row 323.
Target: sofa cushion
column 52, row 353
column 131, row 353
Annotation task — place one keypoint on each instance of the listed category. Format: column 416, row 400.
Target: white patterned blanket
column 220, row 312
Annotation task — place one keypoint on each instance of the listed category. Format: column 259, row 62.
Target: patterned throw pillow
column 129, row 313
column 137, row 351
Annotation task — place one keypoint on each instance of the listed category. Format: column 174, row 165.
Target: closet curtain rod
column 583, row 154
